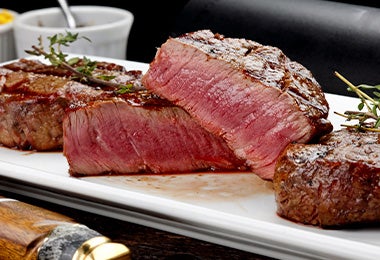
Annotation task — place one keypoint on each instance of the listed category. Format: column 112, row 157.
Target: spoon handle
column 67, row 13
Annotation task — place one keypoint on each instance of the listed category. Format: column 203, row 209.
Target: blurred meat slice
column 32, row 107
column 34, row 96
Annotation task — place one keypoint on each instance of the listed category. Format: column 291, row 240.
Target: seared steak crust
column 333, row 183
column 35, row 66
column 120, row 74
column 252, row 95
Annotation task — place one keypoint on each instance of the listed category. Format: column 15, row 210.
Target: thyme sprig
column 85, row 71
column 367, row 120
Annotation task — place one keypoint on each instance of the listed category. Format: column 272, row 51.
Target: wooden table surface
column 144, row 242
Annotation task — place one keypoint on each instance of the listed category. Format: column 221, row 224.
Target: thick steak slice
column 251, row 95
column 330, row 184
column 140, row 133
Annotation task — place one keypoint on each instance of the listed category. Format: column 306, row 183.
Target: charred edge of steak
column 333, row 184
column 36, row 66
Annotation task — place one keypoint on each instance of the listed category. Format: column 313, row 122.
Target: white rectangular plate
column 236, row 209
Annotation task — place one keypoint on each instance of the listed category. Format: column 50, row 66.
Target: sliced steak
column 333, row 183
column 140, row 133
column 42, row 108
column 251, row 95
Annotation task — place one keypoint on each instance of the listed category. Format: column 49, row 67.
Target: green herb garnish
column 368, row 119
column 84, row 71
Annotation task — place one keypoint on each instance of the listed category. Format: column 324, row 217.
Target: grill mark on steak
column 118, row 137
column 331, row 184
column 250, row 94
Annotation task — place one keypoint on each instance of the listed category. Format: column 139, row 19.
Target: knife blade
column 35, row 233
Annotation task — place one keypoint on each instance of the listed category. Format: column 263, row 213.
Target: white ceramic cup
column 107, row 28
column 7, row 42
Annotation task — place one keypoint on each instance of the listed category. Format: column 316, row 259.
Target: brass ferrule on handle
column 102, row 248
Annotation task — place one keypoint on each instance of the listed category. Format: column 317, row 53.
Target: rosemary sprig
column 367, row 120
column 84, row 72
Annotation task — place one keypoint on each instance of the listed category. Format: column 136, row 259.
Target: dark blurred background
column 322, row 35
column 154, row 21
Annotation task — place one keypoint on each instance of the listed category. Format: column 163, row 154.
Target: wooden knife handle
column 32, row 233
column 24, row 227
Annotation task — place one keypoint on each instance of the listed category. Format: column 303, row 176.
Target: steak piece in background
column 140, row 133
column 251, row 95
column 333, row 183
column 34, row 96
column 32, row 107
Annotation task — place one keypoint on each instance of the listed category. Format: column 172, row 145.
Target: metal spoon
column 67, row 13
